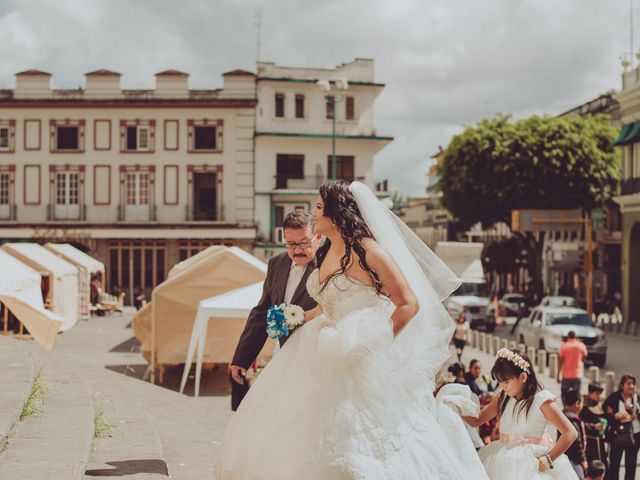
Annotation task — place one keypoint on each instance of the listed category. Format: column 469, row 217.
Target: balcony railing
column 629, row 186
column 286, row 182
column 8, row 213
column 61, row 213
column 199, row 214
column 137, row 213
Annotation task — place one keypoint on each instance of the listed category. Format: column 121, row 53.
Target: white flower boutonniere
column 294, row 315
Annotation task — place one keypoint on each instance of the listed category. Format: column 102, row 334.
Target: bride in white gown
column 349, row 395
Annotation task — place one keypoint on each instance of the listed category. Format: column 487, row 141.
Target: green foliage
column 35, row 403
column 500, row 255
column 535, row 163
column 102, row 427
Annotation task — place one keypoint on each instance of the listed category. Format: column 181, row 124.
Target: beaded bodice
column 342, row 295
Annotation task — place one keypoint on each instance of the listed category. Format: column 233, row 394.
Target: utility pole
column 588, row 265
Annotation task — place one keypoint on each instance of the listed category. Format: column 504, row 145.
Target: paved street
column 623, row 352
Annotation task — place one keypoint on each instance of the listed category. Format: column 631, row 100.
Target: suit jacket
column 254, row 335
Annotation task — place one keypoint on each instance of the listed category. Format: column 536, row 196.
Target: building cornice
column 628, row 203
column 309, row 80
column 128, row 103
column 324, row 135
column 150, row 230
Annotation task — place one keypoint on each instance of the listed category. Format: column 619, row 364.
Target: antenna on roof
column 631, row 34
column 258, row 19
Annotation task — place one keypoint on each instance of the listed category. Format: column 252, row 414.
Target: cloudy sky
column 446, row 63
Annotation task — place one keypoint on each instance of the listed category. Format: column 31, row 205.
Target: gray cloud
column 446, row 63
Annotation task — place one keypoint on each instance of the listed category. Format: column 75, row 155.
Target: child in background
column 525, row 450
column 577, row 451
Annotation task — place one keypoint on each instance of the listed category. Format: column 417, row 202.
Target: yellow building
column 139, row 178
column 629, row 198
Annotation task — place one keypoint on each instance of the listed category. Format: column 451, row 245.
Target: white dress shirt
column 295, row 275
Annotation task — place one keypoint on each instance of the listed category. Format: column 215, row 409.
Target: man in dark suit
column 285, row 283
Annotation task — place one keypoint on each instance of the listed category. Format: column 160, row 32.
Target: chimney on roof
column 33, row 84
column 172, row 84
column 238, row 84
column 102, row 84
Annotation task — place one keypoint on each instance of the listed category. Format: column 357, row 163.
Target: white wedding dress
column 336, row 403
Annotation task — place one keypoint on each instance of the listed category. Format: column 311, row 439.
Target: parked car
column 475, row 297
column 547, row 327
column 558, row 301
column 510, row 304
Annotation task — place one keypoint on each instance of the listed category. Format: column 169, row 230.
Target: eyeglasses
column 302, row 245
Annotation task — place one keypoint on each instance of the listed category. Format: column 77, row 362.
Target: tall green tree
column 540, row 162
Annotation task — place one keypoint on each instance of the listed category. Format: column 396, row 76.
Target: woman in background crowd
column 622, row 409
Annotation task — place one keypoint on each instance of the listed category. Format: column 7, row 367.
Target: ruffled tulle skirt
column 333, row 404
column 520, row 462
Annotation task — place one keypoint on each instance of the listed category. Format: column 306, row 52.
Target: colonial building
column 140, row 178
column 297, row 111
column 629, row 198
column 565, row 250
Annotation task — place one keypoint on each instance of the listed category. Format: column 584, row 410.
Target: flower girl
column 525, row 450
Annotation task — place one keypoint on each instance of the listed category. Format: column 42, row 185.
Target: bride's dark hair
column 341, row 207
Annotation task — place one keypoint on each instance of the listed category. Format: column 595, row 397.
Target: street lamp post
column 341, row 85
column 332, row 101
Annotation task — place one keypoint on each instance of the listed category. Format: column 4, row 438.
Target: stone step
column 188, row 441
column 55, row 444
column 161, row 433
column 133, row 449
column 19, row 369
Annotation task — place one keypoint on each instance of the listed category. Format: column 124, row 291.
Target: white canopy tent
column 164, row 326
column 21, row 295
column 86, row 266
column 229, row 312
column 62, row 277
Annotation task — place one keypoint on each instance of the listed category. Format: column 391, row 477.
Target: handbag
column 623, row 431
column 623, row 435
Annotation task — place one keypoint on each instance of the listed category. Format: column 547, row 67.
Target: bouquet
column 283, row 319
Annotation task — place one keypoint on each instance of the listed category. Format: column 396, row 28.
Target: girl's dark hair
column 624, row 379
column 505, row 369
column 341, row 207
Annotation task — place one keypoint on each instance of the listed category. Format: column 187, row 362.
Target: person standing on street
column 286, row 281
column 576, row 452
column 571, row 364
column 461, row 334
column 622, row 410
column 595, row 423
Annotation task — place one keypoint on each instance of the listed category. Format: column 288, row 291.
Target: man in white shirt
column 285, row 283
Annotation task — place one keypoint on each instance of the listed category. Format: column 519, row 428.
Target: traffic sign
column 546, row 220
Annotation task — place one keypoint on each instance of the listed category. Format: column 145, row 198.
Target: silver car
column 547, row 328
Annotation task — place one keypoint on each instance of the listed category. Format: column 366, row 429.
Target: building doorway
column 136, row 267
column 633, row 309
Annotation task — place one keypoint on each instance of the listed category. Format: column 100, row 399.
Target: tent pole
column 153, row 343
column 6, row 320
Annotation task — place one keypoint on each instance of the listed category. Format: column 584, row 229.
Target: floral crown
column 514, row 358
